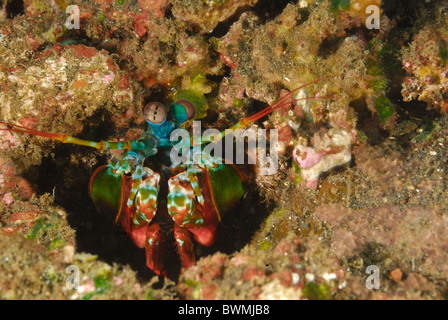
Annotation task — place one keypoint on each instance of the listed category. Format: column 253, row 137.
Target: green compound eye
column 189, row 108
column 155, row 113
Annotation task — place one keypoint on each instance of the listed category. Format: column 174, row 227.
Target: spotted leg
column 186, row 207
column 143, row 207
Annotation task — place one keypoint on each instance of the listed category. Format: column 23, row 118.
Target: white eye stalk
column 155, row 113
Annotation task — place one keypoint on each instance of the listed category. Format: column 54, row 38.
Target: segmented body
column 189, row 201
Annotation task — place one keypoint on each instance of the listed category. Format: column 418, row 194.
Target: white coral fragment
column 331, row 149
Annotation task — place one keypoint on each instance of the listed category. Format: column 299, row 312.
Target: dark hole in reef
column 14, row 8
column 406, row 11
column 329, row 46
column 418, row 111
column 413, row 111
column 223, row 27
column 76, row 37
column 264, row 9
column 368, row 123
column 239, row 225
column 96, row 233
column 268, row 9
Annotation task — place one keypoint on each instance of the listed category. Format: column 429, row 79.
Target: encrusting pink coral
column 330, row 149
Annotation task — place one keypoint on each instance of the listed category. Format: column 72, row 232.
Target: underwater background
column 357, row 208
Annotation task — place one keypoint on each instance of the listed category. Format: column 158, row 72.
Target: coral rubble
column 360, row 185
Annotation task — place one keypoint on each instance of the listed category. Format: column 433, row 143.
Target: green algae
column 338, row 5
column 443, row 51
column 194, row 88
column 237, row 103
column 297, row 170
column 102, row 285
column 198, row 100
column 40, row 227
column 384, row 108
column 316, row 291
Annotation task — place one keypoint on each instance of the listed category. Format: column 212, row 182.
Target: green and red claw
column 108, row 191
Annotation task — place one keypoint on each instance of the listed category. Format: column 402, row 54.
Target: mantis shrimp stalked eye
column 189, row 108
column 155, row 113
